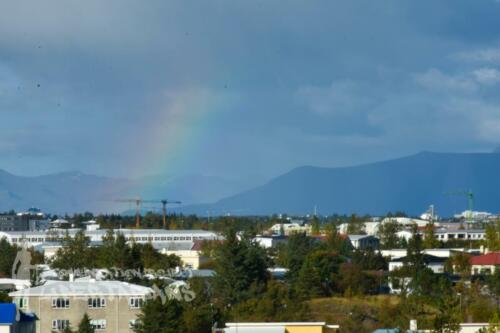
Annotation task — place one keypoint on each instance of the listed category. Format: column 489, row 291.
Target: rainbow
column 172, row 134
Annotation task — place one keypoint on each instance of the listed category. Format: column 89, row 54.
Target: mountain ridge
column 409, row 183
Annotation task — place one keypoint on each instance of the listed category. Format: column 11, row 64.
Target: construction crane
column 470, row 203
column 137, row 201
column 164, row 204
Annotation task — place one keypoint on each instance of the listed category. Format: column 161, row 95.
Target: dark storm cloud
column 316, row 82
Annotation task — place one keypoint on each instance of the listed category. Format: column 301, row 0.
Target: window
column 98, row 324
column 96, row 302
column 60, row 303
column 135, row 302
column 60, row 324
column 22, row 303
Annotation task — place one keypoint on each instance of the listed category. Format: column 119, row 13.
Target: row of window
column 62, row 324
column 160, row 239
column 461, row 236
column 145, row 239
column 93, row 302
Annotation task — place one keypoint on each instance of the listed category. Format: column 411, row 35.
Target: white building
column 441, row 253
column 463, row 234
column 370, row 228
column 269, row 241
column 289, row 228
column 34, row 238
column 406, row 221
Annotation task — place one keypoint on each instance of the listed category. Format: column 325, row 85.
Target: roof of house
column 427, row 259
column 492, row 258
column 358, row 237
column 85, row 288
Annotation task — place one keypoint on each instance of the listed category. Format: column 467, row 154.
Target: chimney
column 413, row 325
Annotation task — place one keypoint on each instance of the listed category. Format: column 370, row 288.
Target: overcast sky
column 236, row 88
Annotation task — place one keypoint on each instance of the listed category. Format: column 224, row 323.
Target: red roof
column 492, row 258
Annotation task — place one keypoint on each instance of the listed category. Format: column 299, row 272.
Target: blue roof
column 7, row 313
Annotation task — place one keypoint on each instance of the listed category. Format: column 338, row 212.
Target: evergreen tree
column 85, row 326
column 293, row 254
column 7, row 257
column 159, row 316
column 308, row 283
column 238, row 265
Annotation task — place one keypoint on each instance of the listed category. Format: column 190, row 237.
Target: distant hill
column 70, row 192
column 407, row 184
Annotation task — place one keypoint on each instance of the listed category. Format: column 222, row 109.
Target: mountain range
column 407, row 184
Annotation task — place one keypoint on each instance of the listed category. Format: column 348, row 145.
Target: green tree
column 85, row 326
column 238, row 265
column 74, row 253
column 448, row 318
column 159, row 316
column 387, row 232
column 8, row 256
column 369, row 260
column 459, row 263
column 275, row 304
column 492, row 235
column 198, row 315
column 295, row 251
column 430, row 240
column 336, row 242
column 356, row 225
column 494, row 282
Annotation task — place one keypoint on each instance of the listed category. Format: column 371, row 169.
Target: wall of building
column 117, row 312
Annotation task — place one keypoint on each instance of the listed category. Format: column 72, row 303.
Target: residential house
column 362, row 242
column 436, row 264
column 485, row 264
column 111, row 305
column 190, row 253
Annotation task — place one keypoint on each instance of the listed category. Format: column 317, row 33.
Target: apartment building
column 112, row 306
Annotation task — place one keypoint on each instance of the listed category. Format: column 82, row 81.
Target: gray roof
column 85, row 288
column 174, row 246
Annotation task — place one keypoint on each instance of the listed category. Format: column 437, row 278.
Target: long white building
column 34, row 238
